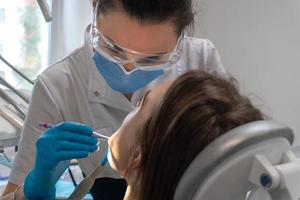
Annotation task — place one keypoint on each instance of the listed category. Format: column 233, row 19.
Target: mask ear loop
column 178, row 48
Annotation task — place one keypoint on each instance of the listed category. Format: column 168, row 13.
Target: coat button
column 96, row 93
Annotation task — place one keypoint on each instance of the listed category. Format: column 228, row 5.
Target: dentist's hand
column 63, row 142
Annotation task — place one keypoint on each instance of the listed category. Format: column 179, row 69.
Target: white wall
column 70, row 18
column 259, row 42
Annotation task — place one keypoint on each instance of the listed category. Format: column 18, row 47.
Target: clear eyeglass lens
column 121, row 55
column 142, row 61
column 114, row 53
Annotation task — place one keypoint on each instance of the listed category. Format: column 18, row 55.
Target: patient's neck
column 129, row 195
column 131, row 180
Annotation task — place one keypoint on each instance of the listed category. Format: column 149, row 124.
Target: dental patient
column 171, row 125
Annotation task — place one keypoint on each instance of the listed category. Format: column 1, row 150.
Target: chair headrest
column 231, row 142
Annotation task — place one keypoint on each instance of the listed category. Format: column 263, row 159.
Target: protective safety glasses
column 122, row 55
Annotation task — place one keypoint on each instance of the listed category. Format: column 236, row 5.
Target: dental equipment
column 95, row 134
column 16, row 70
column 21, row 112
column 45, row 10
column 12, row 119
column 6, row 84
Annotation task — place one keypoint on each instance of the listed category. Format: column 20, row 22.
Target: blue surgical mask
column 123, row 82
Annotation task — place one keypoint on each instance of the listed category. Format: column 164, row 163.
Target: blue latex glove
column 63, row 142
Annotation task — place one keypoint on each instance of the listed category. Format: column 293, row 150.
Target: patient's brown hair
column 197, row 108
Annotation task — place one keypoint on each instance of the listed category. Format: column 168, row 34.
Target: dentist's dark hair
column 180, row 12
column 197, row 108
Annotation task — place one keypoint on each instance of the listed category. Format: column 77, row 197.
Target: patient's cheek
column 111, row 146
column 118, row 151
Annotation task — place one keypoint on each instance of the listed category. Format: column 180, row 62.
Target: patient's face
column 123, row 141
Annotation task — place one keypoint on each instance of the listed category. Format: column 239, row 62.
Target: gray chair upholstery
column 222, row 169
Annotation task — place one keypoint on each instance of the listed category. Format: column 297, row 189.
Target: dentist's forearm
column 16, row 195
column 41, row 180
column 10, row 187
column 9, row 196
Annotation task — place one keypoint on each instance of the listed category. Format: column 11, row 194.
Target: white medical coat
column 73, row 90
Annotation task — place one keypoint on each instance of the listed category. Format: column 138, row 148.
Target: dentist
column 134, row 46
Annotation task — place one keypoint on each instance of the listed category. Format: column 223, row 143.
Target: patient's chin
column 111, row 161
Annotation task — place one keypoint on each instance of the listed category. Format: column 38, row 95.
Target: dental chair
column 11, row 123
column 250, row 162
